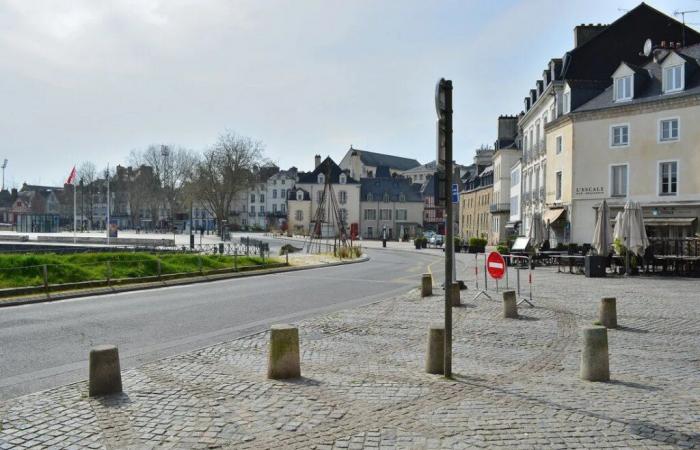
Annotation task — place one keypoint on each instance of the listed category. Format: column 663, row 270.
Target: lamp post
column 4, row 164
column 82, row 204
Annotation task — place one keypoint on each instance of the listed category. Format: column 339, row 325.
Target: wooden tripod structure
column 328, row 212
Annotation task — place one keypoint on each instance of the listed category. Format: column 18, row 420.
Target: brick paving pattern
column 516, row 382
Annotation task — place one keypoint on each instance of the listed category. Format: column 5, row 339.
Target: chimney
column 14, row 194
column 585, row 32
column 507, row 129
column 317, row 161
column 355, row 164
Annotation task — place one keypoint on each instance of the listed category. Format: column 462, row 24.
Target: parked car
column 437, row 240
column 429, row 234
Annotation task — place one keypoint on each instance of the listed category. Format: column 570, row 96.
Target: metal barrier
column 509, row 259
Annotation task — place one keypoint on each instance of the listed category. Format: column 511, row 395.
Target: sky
column 93, row 80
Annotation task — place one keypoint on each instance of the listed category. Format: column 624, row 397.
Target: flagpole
column 75, row 216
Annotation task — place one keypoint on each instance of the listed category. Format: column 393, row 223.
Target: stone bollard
column 607, row 312
column 105, row 373
column 510, row 305
column 594, row 355
column 426, row 285
column 435, row 360
column 456, row 301
column 283, row 356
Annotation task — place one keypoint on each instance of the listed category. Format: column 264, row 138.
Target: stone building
column 390, row 203
column 636, row 140
column 475, row 201
column 364, row 164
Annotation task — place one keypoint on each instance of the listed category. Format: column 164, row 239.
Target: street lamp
column 4, row 164
column 165, row 152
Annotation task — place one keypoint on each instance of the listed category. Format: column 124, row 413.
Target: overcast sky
column 94, row 79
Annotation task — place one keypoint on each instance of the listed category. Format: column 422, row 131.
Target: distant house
column 345, row 188
column 364, row 164
column 391, row 205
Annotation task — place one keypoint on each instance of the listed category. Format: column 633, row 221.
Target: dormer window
column 342, row 179
column 321, row 179
column 623, row 88
column 566, row 102
column 369, row 197
column 673, row 78
column 300, row 195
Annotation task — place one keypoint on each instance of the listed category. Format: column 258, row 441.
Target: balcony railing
column 499, row 207
column 543, row 147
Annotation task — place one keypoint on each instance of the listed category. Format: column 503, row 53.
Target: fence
column 523, row 263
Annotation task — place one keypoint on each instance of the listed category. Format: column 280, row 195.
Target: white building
column 507, row 154
column 364, row 164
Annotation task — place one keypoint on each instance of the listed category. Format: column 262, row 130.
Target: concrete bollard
column 426, row 285
column 607, row 312
column 283, row 356
column 594, row 354
column 435, row 359
column 456, row 301
column 105, row 373
column 510, row 305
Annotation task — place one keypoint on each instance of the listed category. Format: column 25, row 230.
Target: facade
column 299, row 203
column 475, row 201
column 506, row 156
column 391, row 204
column 364, row 164
column 420, row 174
column 345, row 188
column 277, row 187
column 566, row 84
column 637, row 140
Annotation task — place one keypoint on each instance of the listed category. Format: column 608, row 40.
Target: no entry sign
column 496, row 265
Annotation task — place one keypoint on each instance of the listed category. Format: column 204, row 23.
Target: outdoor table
column 571, row 260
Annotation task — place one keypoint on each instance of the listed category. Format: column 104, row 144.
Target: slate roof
column 380, row 159
column 394, row 186
column 651, row 89
column 431, row 166
column 292, row 193
column 327, row 165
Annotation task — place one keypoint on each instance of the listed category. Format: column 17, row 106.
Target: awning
column 552, row 215
column 669, row 221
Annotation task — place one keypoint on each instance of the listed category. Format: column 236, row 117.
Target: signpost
column 455, row 193
column 443, row 108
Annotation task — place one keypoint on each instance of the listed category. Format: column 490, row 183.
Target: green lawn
column 27, row 270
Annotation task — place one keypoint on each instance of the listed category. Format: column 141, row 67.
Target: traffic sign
column 496, row 265
column 455, row 193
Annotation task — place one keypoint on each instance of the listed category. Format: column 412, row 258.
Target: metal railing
column 499, row 207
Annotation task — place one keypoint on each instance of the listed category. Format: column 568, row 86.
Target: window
column 514, row 204
column 300, row 195
column 668, row 178
column 673, row 78
column 668, row 130
column 343, row 213
column 514, row 177
column 401, row 214
column 262, row 198
column 370, row 214
column 252, row 198
column 274, row 193
column 384, row 214
column 299, row 215
column 558, row 187
column 618, row 180
column 386, row 197
column 623, row 88
column 369, row 197
column 262, row 209
column 342, row 197
column 283, row 207
column 274, row 207
column 321, row 179
column 283, row 193
column 252, row 209
column 560, row 144
column 342, row 179
column 402, row 197
column 619, row 135
column 566, row 102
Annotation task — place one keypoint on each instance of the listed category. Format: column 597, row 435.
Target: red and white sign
column 496, row 265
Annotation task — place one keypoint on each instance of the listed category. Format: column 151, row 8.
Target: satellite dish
column 648, row 47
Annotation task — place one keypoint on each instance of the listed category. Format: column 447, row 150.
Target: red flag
column 72, row 176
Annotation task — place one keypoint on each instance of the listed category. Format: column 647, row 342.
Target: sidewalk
column 364, row 386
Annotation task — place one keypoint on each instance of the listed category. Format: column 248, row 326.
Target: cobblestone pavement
column 516, row 382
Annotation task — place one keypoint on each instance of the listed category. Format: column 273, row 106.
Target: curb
column 168, row 283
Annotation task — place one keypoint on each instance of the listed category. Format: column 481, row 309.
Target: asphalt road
column 45, row 345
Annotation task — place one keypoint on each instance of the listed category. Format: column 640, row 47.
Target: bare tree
column 172, row 167
column 224, row 171
column 87, row 175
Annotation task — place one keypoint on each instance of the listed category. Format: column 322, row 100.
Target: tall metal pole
column 107, row 177
column 444, row 110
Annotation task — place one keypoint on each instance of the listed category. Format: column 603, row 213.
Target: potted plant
column 477, row 245
column 418, row 242
column 457, row 244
